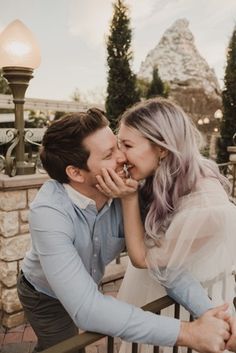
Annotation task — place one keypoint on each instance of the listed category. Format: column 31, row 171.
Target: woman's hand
column 112, row 185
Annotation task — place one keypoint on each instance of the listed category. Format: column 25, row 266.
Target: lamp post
column 218, row 115
column 19, row 56
column 204, row 123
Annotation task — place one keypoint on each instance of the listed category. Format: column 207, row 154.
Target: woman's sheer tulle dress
column 200, row 238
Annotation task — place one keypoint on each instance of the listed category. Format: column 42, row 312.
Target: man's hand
column 208, row 334
column 231, row 344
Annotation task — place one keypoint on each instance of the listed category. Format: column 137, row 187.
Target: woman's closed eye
column 124, row 145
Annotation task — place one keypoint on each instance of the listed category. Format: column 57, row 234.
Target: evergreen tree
column 142, row 86
column 121, row 88
column 228, row 123
column 157, row 86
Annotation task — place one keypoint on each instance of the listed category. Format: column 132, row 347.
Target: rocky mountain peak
column 179, row 61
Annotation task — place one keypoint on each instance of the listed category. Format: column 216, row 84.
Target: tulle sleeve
column 201, row 237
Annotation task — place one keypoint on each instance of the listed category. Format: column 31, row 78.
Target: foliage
column 228, row 123
column 142, row 86
column 4, row 88
column 157, row 86
column 37, row 119
column 121, row 90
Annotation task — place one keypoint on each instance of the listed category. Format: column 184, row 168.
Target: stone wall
column 15, row 196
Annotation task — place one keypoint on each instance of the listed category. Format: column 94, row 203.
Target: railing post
column 232, row 158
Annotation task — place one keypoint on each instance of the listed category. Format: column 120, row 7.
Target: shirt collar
column 79, row 199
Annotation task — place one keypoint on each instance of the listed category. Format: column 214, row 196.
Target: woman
column 189, row 222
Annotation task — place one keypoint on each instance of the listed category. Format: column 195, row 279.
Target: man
column 76, row 231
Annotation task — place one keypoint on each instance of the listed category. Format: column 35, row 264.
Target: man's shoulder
column 51, row 194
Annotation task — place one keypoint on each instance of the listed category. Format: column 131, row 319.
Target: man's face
column 104, row 153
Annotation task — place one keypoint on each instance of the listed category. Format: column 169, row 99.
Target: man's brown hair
column 62, row 143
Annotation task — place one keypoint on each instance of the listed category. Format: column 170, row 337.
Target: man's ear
column 74, row 174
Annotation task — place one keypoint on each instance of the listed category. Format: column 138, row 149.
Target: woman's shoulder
column 208, row 191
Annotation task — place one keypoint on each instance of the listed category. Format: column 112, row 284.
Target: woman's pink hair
column 165, row 124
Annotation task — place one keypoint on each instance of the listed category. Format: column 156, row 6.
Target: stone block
column 10, row 300
column 8, row 273
column 24, row 228
column 14, row 248
column 9, row 223
column 24, row 216
column 13, row 320
column 31, row 195
column 13, row 200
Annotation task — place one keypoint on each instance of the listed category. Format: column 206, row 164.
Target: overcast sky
column 72, row 34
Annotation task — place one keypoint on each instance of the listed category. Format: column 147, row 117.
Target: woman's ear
column 74, row 174
column 163, row 152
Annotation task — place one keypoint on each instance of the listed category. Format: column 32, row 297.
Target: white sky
column 71, row 35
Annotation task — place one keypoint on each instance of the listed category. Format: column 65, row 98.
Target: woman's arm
column 134, row 230
column 112, row 185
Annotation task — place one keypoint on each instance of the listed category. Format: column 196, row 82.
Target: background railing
column 83, row 340
column 229, row 170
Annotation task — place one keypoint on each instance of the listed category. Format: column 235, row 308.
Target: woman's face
column 142, row 156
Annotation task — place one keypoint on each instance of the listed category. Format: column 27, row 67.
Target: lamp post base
column 23, row 168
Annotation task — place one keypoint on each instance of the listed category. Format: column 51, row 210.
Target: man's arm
column 79, row 294
column 188, row 292
column 93, row 311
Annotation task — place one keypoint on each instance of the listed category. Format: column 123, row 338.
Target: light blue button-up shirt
column 71, row 245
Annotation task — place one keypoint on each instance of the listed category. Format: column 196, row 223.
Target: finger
column 132, row 183
column 102, row 184
column 223, row 315
column 222, row 346
column 100, row 189
column 109, row 181
column 217, row 309
column 226, row 335
column 231, row 344
column 117, row 179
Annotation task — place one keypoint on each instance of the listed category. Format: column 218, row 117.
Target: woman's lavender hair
column 165, row 124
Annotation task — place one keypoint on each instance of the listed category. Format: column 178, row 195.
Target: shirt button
column 95, row 255
column 96, row 238
column 94, row 271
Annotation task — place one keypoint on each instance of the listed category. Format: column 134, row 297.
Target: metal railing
column 229, row 170
column 83, row 340
column 9, row 138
